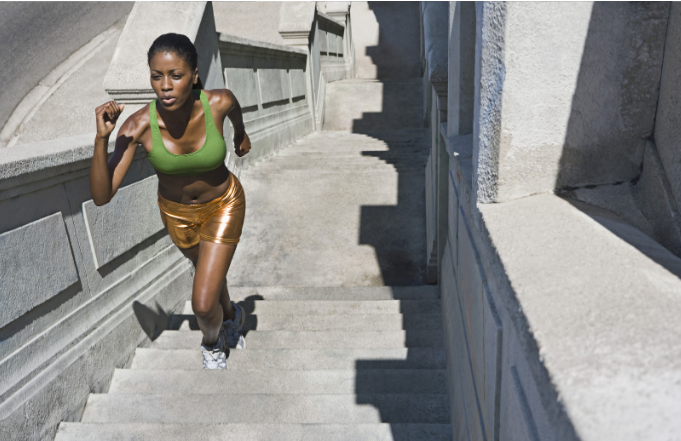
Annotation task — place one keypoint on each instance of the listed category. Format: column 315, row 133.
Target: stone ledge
column 601, row 300
column 240, row 45
column 330, row 22
column 435, row 28
column 27, row 158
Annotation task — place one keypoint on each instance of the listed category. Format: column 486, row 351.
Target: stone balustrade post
column 296, row 23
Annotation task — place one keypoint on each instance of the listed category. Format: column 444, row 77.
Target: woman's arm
column 242, row 143
column 106, row 176
column 230, row 107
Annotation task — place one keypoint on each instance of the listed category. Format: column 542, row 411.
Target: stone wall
column 82, row 286
column 558, row 215
column 326, row 38
column 271, row 85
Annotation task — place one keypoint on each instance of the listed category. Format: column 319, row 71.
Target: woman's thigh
column 212, row 263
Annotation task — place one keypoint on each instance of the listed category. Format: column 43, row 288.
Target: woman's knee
column 206, row 310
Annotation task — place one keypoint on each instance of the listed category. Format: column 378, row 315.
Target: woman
column 202, row 204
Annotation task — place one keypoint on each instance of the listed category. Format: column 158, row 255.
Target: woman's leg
column 210, row 299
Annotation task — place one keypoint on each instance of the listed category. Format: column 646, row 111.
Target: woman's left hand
column 242, row 144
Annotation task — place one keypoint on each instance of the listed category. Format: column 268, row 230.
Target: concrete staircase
column 348, row 356
column 321, row 363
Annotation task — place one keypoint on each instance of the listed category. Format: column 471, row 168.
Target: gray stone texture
column 312, row 339
column 588, row 337
column 386, row 39
column 587, row 123
column 298, row 84
column 335, row 231
column 296, row 359
column 335, row 293
column 654, row 197
column 245, row 83
column 435, row 33
column 319, row 378
column 69, row 111
column 363, row 105
column 294, row 382
column 253, row 20
column 207, row 47
column 114, row 228
column 38, row 37
column 274, row 85
column 668, row 119
column 268, row 409
column 36, row 263
column 461, row 71
column 259, row 74
column 296, row 17
column 282, row 432
column 74, row 321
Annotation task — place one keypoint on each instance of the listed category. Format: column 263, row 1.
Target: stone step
column 296, row 359
column 355, row 143
column 267, row 408
column 370, row 167
column 330, row 307
column 267, row 381
column 311, row 339
column 348, row 153
column 251, row 432
column 338, row 164
column 310, row 322
column 321, row 147
column 381, row 134
column 335, row 293
column 307, row 174
column 352, row 152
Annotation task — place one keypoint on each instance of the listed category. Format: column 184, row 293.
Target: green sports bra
column 209, row 157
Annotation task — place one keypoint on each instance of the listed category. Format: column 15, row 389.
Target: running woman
column 202, row 204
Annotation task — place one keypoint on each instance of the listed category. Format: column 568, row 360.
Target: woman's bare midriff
column 194, row 189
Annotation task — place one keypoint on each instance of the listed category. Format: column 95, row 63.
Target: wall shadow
column 397, row 233
column 612, row 116
column 615, row 99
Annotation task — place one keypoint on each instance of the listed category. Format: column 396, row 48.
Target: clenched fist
column 242, row 144
column 107, row 114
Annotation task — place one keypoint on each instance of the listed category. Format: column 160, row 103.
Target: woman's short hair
column 178, row 44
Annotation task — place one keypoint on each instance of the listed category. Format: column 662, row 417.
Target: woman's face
column 172, row 79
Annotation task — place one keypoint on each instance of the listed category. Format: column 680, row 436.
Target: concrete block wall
column 270, row 82
column 326, row 38
column 552, row 317
column 81, row 286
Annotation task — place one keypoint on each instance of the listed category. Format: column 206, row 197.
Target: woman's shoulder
column 137, row 123
column 222, row 99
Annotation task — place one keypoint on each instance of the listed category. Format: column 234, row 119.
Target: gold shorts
column 219, row 220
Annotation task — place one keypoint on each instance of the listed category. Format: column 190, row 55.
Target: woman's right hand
column 107, row 114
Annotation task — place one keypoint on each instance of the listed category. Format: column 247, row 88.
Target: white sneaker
column 233, row 328
column 215, row 357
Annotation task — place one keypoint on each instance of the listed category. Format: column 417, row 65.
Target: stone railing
column 560, row 316
column 270, row 82
column 81, row 286
column 434, row 17
column 326, row 37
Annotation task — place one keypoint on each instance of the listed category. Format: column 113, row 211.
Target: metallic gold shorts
column 219, row 220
